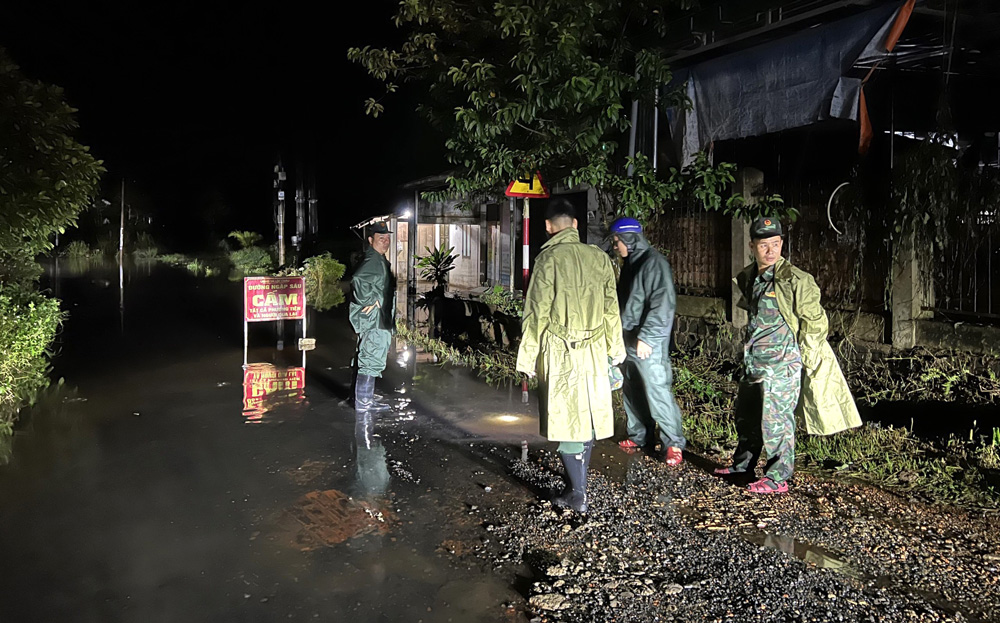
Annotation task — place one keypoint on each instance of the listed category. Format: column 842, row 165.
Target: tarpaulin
column 791, row 82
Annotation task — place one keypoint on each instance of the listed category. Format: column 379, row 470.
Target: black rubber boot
column 364, row 395
column 575, row 496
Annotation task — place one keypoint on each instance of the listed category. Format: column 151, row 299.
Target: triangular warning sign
column 529, row 187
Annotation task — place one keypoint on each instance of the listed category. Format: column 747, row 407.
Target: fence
column 697, row 244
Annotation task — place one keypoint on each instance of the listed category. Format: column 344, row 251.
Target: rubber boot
column 575, row 496
column 364, row 395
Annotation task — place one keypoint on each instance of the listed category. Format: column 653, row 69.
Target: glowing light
column 508, row 418
column 407, row 213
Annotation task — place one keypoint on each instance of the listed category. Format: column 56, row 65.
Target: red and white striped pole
column 525, row 271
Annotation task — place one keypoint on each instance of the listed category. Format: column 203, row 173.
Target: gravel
column 678, row 544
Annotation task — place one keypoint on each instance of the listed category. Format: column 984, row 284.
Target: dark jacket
column 646, row 295
column 373, row 281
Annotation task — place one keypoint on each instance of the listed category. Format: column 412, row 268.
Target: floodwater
column 162, row 482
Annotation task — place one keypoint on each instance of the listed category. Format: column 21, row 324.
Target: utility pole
column 121, row 230
column 279, row 217
column 313, row 206
column 300, row 209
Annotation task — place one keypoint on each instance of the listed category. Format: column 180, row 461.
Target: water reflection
column 372, row 471
column 266, row 387
column 803, row 550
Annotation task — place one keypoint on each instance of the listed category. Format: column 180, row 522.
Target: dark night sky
column 193, row 105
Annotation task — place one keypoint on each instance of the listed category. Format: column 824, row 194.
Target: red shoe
column 675, row 456
column 629, row 446
column 766, row 486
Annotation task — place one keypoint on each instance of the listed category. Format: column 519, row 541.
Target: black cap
column 378, row 228
column 766, row 227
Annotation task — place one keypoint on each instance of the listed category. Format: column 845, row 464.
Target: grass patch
column 496, row 366
column 955, row 471
column 961, row 471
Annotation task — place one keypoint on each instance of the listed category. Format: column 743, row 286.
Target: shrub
column 145, row 246
column 173, row 258
column 246, row 239
column 252, row 261
column 323, row 274
column 504, row 300
column 77, row 248
column 28, row 323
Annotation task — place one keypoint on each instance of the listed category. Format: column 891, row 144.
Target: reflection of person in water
column 371, row 469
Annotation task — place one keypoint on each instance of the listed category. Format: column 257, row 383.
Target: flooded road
column 160, row 483
column 163, row 482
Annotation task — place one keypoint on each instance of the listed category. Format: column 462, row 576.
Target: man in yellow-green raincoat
column 570, row 332
column 789, row 368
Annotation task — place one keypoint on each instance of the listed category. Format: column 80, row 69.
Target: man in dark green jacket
column 648, row 301
column 373, row 314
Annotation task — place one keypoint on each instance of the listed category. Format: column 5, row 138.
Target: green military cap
column 766, row 227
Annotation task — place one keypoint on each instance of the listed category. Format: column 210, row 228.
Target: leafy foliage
column 144, row 246
column 77, row 248
column 946, row 209
column 46, row 180
column 252, row 261
column 46, row 177
column 519, row 85
column 436, row 265
column 323, row 275
column 246, row 239
column 504, row 300
column 28, row 324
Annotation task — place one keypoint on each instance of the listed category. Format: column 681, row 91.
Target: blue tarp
column 788, row 83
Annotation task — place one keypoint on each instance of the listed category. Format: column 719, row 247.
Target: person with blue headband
column 647, row 301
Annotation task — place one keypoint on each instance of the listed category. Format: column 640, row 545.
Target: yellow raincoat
column 825, row 404
column 569, row 330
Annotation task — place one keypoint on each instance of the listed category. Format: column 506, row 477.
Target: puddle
column 805, row 551
column 327, row 518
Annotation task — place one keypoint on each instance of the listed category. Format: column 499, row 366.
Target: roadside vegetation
column 960, row 468
column 322, row 272
column 37, row 203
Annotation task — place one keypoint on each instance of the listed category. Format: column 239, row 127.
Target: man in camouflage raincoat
column 789, row 368
column 570, row 331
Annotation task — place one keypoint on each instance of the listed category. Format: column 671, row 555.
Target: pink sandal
column 675, row 456
column 766, row 486
column 629, row 446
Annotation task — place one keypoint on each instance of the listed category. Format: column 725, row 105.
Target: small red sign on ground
column 274, row 298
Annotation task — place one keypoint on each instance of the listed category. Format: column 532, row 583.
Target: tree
column 519, row 85
column 46, row 180
column 46, row 177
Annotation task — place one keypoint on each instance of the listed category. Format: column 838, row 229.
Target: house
column 828, row 104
